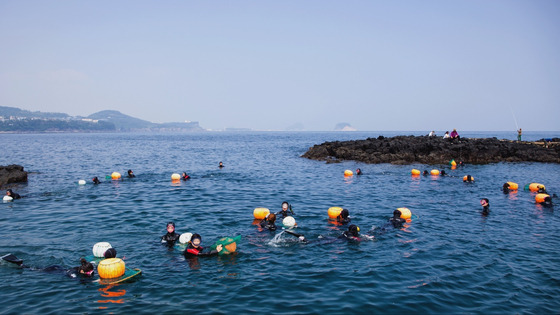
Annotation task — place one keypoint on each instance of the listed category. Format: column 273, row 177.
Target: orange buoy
column 175, row 176
column 111, row 268
column 348, row 173
column 535, row 186
column 260, row 213
column 453, row 167
column 466, row 178
column 415, row 172
column 453, row 163
column 334, row 212
column 539, row 198
column 116, row 176
column 231, row 247
column 434, row 172
column 512, row 186
column 405, row 213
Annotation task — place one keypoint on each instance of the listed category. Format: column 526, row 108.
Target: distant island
column 436, row 150
column 15, row 120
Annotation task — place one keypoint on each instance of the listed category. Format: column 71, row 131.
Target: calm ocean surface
column 449, row 259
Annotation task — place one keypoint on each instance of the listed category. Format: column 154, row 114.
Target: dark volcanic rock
column 434, row 150
column 12, row 174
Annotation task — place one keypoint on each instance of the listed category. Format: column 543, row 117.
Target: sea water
column 449, row 259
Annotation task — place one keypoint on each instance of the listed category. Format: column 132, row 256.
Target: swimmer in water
column 110, row 253
column 505, row 188
column 96, row 180
column 269, row 222
column 425, row 173
column 171, row 236
column 85, row 269
column 131, row 174
column 194, row 249
column 285, row 208
column 352, row 233
column 343, row 217
column 442, row 173
column 468, row 179
column 358, row 171
column 396, row 221
column 221, row 165
column 185, row 176
column 485, row 203
column 12, row 194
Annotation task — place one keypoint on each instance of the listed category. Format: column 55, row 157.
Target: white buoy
column 7, row 198
column 289, row 222
column 185, row 238
column 81, row 182
column 100, row 248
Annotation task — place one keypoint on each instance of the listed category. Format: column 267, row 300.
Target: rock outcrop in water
column 12, row 174
column 434, row 150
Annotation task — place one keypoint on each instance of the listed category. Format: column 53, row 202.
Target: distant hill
column 18, row 120
column 344, row 127
column 6, row 112
column 121, row 121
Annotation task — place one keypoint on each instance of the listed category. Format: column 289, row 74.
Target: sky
column 271, row 65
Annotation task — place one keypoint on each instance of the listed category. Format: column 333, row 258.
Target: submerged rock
column 434, row 150
column 12, row 174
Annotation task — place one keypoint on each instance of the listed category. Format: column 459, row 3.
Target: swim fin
column 13, row 259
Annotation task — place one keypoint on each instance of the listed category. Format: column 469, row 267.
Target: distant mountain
column 18, row 120
column 344, row 127
column 8, row 112
column 122, row 122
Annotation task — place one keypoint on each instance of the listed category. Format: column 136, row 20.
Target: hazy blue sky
column 378, row 65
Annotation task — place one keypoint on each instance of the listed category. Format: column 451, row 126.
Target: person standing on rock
column 519, row 134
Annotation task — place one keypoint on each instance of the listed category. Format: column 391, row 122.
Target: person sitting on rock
column 432, row 134
column 446, row 135
column 454, row 134
column 12, row 194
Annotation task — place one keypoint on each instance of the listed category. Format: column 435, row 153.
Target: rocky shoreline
column 435, row 150
column 12, row 174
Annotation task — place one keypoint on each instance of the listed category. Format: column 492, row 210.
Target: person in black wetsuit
column 396, row 221
column 468, row 179
column 12, row 194
column 86, row 269
column 359, row 172
column 485, row 203
column 95, row 180
column 185, row 176
column 131, row 174
column 286, row 210
column 343, row 217
column 269, row 222
column 442, row 173
column 221, row 165
column 110, row 253
column 194, row 249
column 425, row 173
column 352, row 233
column 171, row 236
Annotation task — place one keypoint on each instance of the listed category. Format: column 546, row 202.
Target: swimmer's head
column 344, row 214
column 505, row 187
column 397, row 214
column 442, row 172
column 484, row 202
column 110, row 253
column 271, row 218
column 9, row 192
column 170, row 227
column 353, row 230
column 130, row 172
column 425, row 172
column 285, row 206
column 196, row 239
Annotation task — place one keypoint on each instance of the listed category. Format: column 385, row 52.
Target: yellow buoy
column 539, row 198
column 110, row 268
column 415, row 172
column 115, row 176
column 334, row 212
column 434, row 172
column 512, row 186
column 260, row 213
column 348, row 173
column 405, row 213
column 535, row 186
column 175, row 176
column 453, row 163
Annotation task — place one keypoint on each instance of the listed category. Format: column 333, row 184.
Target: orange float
column 260, row 213
column 415, row 172
column 405, row 213
column 512, row 186
column 434, row 172
column 116, row 176
column 466, row 178
column 535, row 186
column 348, row 173
column 110, row 268
column 334, row 212
column 539, row 198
